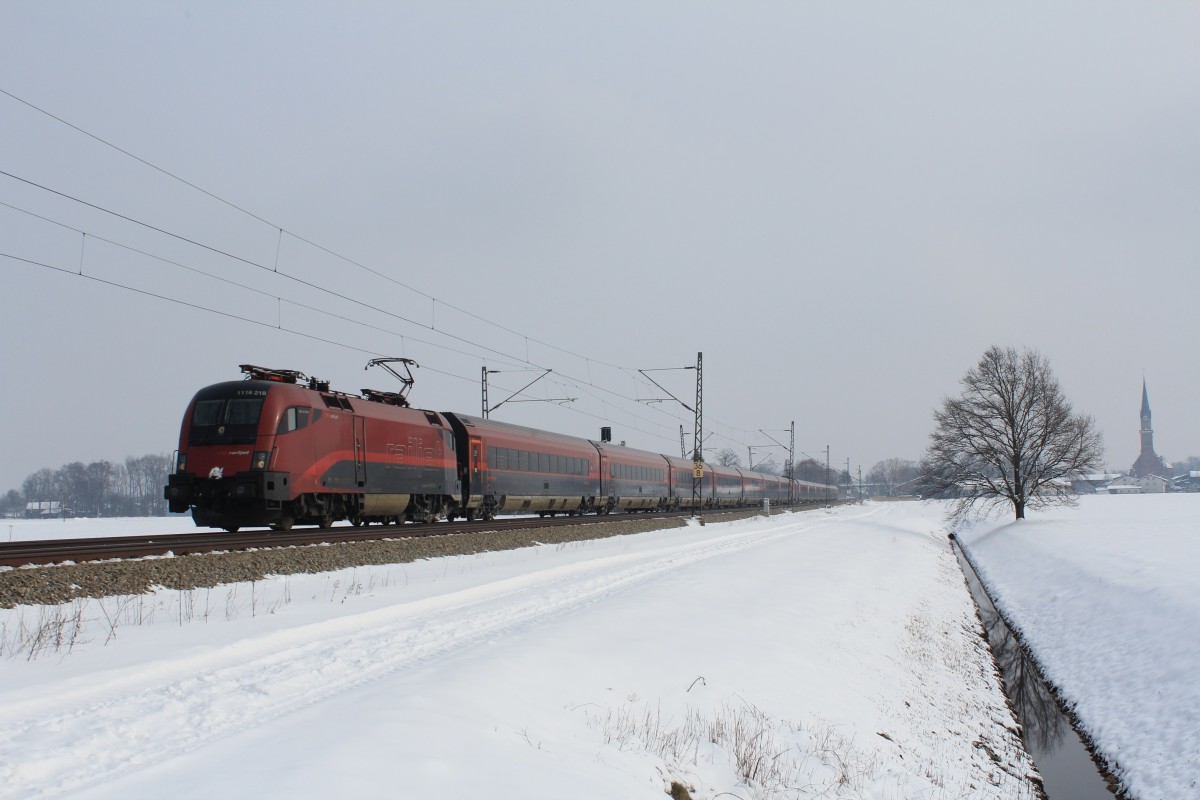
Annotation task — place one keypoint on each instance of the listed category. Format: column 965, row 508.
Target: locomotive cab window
column 293, row 419
column 244, row 411
column 207, row 413
column 225, row 421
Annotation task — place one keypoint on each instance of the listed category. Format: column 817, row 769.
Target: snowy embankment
column 28, row 530
column 829, row 653
column 1107, row 596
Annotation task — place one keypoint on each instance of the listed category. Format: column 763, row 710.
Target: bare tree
column 769, row 466
column 893, row 472
column 814, row 471
column 728, row 458
column 1011, row 437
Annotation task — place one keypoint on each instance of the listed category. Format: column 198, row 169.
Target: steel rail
column 58, row 551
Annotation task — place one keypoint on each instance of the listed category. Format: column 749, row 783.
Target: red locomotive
column 279, row 448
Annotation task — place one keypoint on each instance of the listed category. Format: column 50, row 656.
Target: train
column 278, row 449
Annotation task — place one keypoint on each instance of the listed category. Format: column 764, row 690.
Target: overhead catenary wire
column 513, row 358
column 575, row 382
column 282, row 229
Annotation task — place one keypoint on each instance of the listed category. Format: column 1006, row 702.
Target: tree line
column 807, row 469
column 133, row 488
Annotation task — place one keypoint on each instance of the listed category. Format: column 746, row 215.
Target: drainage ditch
column 1062, row 759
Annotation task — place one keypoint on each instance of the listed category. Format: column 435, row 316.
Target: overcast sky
column 842, row 205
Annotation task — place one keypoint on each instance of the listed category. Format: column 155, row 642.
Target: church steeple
column 1147, row 430
column 1148, row 462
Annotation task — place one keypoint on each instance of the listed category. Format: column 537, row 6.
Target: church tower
column 1148, row 462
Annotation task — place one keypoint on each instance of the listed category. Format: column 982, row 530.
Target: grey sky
column 841, row 205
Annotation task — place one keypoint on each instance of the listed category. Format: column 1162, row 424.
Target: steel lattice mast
column 697, row 452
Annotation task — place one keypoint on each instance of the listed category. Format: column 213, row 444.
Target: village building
column 1148, row 484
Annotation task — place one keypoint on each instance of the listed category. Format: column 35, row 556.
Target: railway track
column 58, row 551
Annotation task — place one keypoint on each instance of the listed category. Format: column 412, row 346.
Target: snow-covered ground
column 1107, row 595
column 26, row 530
column 828, row 653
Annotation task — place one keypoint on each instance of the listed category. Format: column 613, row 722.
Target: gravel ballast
column 49, row 585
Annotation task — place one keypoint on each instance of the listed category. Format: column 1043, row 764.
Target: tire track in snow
column 100, row 732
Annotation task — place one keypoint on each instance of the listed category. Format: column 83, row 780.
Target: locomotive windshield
column 232, row 420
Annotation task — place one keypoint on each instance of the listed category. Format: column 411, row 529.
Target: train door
column 605, row 481
column 360, row 450
column 477, row 477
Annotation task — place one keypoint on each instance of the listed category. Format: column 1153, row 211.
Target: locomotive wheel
column 326, row 520
column 232, row 529
column 284, row 523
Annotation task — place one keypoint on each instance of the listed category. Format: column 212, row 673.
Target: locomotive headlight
column 181, row 463
column 260, row 459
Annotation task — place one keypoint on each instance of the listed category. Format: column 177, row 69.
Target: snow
column 1107, row 597
column 836, row 651
column 25, row 530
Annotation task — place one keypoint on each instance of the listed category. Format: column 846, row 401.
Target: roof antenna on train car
column 399, row 398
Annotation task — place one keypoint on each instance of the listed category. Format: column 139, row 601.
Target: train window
column 207, row 413
column 243, row 411
column 293, row 419
column 522, row 461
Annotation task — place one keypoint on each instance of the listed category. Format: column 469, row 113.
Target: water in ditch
column 1065, row 765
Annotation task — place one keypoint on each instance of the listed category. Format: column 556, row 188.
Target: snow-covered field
column 828, row 653
column 1108, row 597
column 26, row 530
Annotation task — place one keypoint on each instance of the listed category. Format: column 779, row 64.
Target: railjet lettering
column 399, row 453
